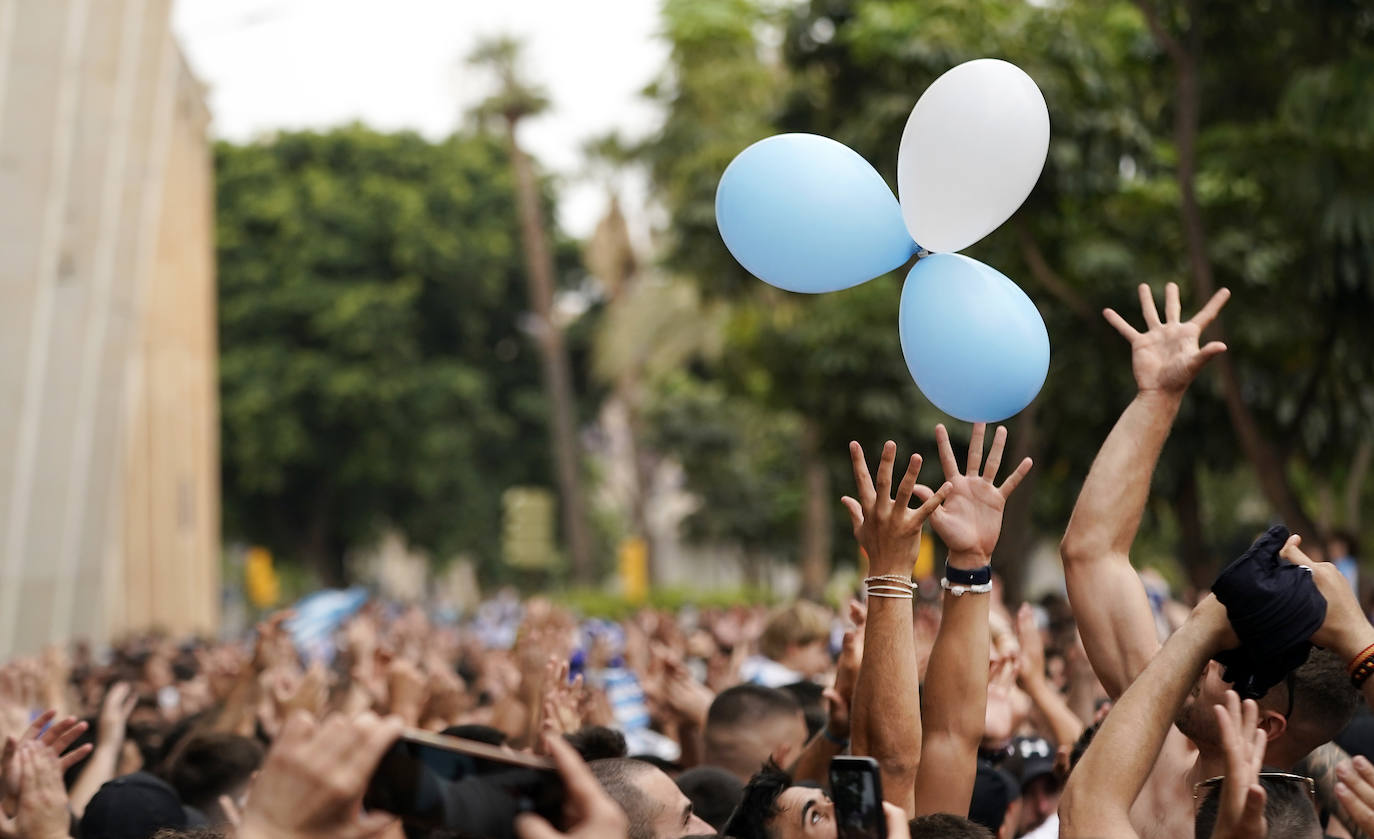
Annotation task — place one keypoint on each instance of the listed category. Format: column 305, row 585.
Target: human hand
column 1031, row 669
column 115, row 711
column 688, row 699
column 406, row 687
column 889, row 531
column 970, row 520
column 562, row 699
column 1355, row 790
column 1345, row 631
column 43, row 811
column 1240, row 810
column 589, row 811
column 55, row 737
column 314, row 777
column 1166, row 357
column 839, row 697
column 1209, row 618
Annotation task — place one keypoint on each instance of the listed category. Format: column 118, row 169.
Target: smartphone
column 437, row 782
column 857, row 791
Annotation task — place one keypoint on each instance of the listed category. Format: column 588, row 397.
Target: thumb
column 856, row 513
column 530, row 826
column 1292, row 552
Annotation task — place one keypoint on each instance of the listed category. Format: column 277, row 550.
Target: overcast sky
column 393, row 64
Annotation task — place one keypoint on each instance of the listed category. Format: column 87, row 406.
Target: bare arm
column 814, row 763
column 1064, row 724
column 887, row 716
column 1097, row 800
column 969, row 523
column 1107, row 596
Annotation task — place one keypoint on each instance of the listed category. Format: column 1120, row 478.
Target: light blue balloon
column 805, row 213
column 973, row 340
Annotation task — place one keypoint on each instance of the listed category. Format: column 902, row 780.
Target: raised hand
column 1355, row 790
column 970, row 520
column 889, row 530
column 1346, row 631
column 1240, row 811
column 1166, row 356
column 42, row 807
column 590, row 813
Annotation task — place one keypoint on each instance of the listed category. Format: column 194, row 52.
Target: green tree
column 374, row 370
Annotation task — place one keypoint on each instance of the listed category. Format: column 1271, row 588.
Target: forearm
column 813, row 765
column 100, row 767
column 1107, row 596
column 955, row 706
column 887, row 719
column 1064, row 723
column 1098, row 798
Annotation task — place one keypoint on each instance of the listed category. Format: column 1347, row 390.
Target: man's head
column 654, row 805
column 750, row 724
column 798, row 637
column 714, row 793
column 1288, row 810
column 209, row 765
column 945, row 826
column 774, row 808
column 1032, row 762
column 1302, row 712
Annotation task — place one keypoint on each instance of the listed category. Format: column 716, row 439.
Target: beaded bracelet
column 960, row 590
column 1362, row 667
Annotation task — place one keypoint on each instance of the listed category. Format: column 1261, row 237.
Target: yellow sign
column 634, row 569
column 528, row 533
column 925, row 559
column 260, row 578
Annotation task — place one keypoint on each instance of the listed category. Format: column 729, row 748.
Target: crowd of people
column 1111, row 712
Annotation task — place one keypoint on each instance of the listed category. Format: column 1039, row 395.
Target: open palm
column 970, row 520
column 1167, row 355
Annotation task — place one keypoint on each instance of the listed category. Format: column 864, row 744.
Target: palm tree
column 514, row 100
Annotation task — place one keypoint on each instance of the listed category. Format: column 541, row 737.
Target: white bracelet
column 960, row 590
column 894, row 596
column 897, row 579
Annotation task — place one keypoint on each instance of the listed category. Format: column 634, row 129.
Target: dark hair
column 759, row 804
column 1080, row 746
column 748, row 705
column 1324, row 702
column 617, row 777
column 211, row 764
column 946, row 826
column 597, row 742
column 1287, row 809
column 808, row 695
column 714, row 793
column 481, row 733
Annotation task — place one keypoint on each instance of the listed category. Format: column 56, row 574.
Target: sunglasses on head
column 1204, row 788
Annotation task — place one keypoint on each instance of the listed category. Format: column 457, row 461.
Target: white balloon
column 972, row 151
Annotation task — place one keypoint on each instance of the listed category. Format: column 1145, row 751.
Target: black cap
column 135, row 807
column 1031, row 757
column 993, row 791
column 1274, row 607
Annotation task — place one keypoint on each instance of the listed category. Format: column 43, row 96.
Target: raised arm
column 1107, row 596
column 1064, row 724
column 969, row 523
column 1097, row 800
column 886, row 718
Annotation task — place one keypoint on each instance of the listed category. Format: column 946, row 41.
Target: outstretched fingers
column 935, row 500
column 908, row 484
column 883, row 486
column 863, row 481
column 1173, row 309
column 947, row 460
column 994, row 461
column 1208, row 313
column 1147, row 306
column 975, row 449
column 1015, row 478
column 856, row 513
column 1120, row 325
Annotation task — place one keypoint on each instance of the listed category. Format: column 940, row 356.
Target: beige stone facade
column 109, row 481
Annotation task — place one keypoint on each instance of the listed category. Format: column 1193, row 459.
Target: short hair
column 749, row 704
column 210, row 764
column 714, row 793
column 811, row 696
column 617, row 777
column 1324, row 701
column 759, row 804
column 597, row 742
column 801, row 623
column 946, row 826
column 1287, row 809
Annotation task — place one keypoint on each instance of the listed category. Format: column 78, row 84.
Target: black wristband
column 976, row 577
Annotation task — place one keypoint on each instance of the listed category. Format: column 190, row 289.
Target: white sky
column 393, row 64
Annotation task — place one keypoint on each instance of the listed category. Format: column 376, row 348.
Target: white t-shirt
column 1048, row 830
